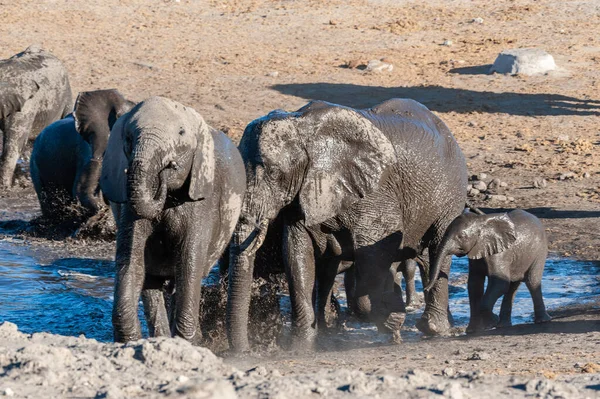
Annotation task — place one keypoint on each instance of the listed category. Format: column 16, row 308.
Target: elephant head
column 159, row 146
column 314, row 163
column 476, row 236
column 95, row 114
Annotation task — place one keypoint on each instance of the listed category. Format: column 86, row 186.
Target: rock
column 447, row 43
column 472, row 124
column 448, row 372
column 494, row 183
column 480, row 185
column 565, row 176
column 498, row 198
column 109, row 392
column 503, row 184
column 208, row 390
column 526, row 61
column 477, row 20
column 379, row 66
column 353, row 64
column 257, row 371
column 540, row 183
column 482, row 176
column 479, row 356
column 453, row 391
column 273, row 74
column 562, row 138
column 510, row 199
column 183, row 379
column 586, row 175
column 8, row 392
column 473, row 192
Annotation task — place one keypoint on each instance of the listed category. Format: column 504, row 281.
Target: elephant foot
column 489, row 320
column 431, row 324
column 504, row 324
column 543, row 318
column 304, row 342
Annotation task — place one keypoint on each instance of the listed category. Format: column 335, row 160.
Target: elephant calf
column 507, row 248
column 34, row 92
column 180, row 184
column 66, row 160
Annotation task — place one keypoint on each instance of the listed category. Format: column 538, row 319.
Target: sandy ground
column 236, row 60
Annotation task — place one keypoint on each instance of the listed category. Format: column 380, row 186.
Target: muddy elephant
column 507, row 248
column 180, row 184
column 66, row 160
column 372, row 187
column 34, row 92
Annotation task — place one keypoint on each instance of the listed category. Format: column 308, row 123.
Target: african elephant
column 34, row 92
column 181, row 184
column 66, row 160
column 371, row 187
column 507, row 248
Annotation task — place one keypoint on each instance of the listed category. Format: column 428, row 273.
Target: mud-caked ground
column 236, row 60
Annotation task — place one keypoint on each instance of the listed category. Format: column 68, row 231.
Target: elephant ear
column 202, row 173
column 348, row 157
column 97, row 111
column 497, row 235
column 14, row 95
column 113, row 181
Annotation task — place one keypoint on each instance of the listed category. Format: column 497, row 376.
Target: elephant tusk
column 260, row 239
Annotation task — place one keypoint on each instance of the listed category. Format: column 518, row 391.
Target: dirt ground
column 235, row 60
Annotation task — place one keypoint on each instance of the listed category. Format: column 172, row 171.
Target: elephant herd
column 312, row 193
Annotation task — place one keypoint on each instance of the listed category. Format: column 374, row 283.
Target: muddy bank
column 57, row 366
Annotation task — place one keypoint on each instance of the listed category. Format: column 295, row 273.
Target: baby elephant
column 507, row 248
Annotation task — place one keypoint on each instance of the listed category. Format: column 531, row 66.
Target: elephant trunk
column 246, row 240
column 147, row 187
column 446, row 249
column 87, row 186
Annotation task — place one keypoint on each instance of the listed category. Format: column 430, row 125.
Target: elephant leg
column 533, row 280
column 155, row 308
column 299, row 259
column 507, row 303
column 17, row 129
column 129, row 278
column 188, row 283
column 436, row 317
column 325, row 281
column 409, row 270
column 497, row 286
column 475, row 286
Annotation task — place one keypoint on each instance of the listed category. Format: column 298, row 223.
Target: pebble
column 182, row 379
column 448, row 372
column 273, row 74
column 565, row 176
column 447, row 43
column 471, row 124
column 510, row 199
column 494, row 197
column 473, row 192
column 563, row 137
column 477, row 20
column 258, row 371
column 379, row 66
column 453, row 391
column 540, row 183
column 482, row 176
column 480, row 185
column 8, row 392
column 494, row 183
column 479, row 356
column 586, row 175
column 503, row 184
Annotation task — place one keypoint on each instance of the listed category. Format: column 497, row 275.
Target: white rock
column 526, row 61
column 477, row 20
column 8, row 392
column 273, row 74
column 379, row 66
column 480, row 185
column 447, row 43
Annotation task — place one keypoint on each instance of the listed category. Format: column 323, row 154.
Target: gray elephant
column 508, row 248
column 180, row 184
column 34, row 92
column 369, row 187
column 66, row 160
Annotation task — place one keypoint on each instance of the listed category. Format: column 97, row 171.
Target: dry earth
column 235, row 60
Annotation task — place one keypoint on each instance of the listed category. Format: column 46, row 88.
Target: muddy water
column 73, row 296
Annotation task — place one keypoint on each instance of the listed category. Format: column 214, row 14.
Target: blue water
column 73, row 296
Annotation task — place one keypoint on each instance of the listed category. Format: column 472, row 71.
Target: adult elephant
column 372, row 187
column 66, row 160
column 34, row 92
column 181, row 184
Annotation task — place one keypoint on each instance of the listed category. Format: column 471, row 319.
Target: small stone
column 498, row 198
column 273, row 74
column 333, row 22
column 471, row 124
column 565, row 176
column 480, row 185
column 448, row 372
column 503, row 184
column 353, row 64
column 482, row 176
column 8, row 392
column 479, row 356
column 258, row 371
column 447, row 43
column 494, row 183
column 477, row 20
column 526, row 61
column 320, row 390
column 510, row 199
column 562, row 138
column 183, row 379
column 540, row 183
column 473, row 192
column 586, row 175
column 469, row 186
column 453, row 391
column 379, row 66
